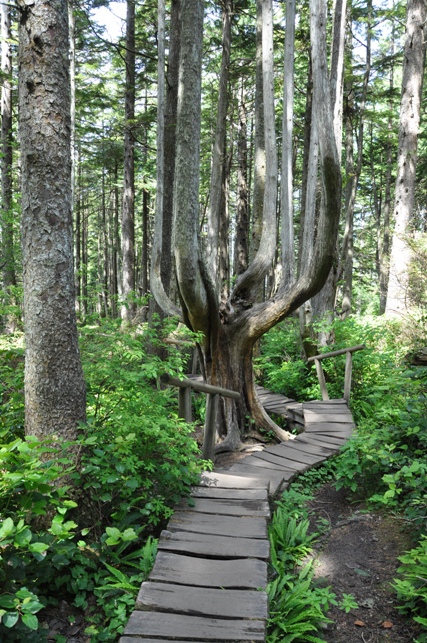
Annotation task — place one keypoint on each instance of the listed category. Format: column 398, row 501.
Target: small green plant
column 411, row 584
column 348, row 603
column 297, row 606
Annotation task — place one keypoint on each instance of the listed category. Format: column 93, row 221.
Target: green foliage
column 297, row 607
column 411, row 585
column 136, row 459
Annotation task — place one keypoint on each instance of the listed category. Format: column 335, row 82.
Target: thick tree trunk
column 54, row 385
column 398, row 299
column 128, row 211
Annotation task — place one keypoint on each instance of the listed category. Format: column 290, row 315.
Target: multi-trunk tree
column 231, row 328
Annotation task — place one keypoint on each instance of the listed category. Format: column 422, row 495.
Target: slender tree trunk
column 398, row 296
column 286, row 201
column 8, row 255
column 128, row 209
column 241, row 245
column 54, row 386
column 353, row 170
column 144, row 254
column 217, row 194
column 248, row 284
column 167, row 103
column 259, row 143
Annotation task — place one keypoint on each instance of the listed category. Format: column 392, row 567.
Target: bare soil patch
column 358, row 556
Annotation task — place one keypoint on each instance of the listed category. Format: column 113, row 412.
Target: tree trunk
column 8, row 255
column 353, row 170
column 230, row 333
column 241, row 245
column 286, row 185
column 54, row 385
column 167, row 105
column 217, row 194
column 128, row 309
column 398, row 301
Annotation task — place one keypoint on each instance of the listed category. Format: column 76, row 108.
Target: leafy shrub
column 411, row 585
column 137, row 458
column 297, row 607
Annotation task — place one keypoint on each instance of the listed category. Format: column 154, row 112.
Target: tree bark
column 286, row 185
column 128, row 209
column 54, row 385
column 398, row 301
column 8, row 255
column 241, row 245
column 217, row 193
column 230, row 332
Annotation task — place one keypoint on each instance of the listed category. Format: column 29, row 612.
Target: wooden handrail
column 184, row 406
column 348, row 368
column 342, row 351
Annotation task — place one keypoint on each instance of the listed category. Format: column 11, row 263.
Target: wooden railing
column 348, row 352
column 184, row 407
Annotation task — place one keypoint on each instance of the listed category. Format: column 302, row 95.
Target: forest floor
column 358, row 555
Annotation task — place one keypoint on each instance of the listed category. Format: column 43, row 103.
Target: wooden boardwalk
column 210, row 576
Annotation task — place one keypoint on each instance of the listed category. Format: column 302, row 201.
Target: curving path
column 210, row 576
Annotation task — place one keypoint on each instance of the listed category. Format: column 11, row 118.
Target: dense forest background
column 303, row 190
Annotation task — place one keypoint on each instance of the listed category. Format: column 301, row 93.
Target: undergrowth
column 298, row 605
column 384, row 463
column 91, row 543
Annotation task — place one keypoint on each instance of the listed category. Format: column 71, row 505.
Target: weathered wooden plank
column 229, row 494
column 287, row 451
column 341, row 402
column 201, row 601
column 327, row 430
column 233, row 526
column 275, row 478
column 311, row 449
column 319, row 438
column 227, row 507
column 267, row 459
column 226, row 480
column 213, row 546
column 267, row 462
column 190, row 627
column 339, row 418
column 243, row 573
column 304, row 442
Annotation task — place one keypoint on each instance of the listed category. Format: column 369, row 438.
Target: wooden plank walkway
column 209, row 579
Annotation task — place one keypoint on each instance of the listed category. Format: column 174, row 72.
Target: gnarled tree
column 231, row 329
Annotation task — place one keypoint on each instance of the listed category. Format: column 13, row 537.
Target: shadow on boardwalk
column 210, row 576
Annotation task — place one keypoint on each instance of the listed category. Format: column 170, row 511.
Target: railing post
column 347, row 378
column 321, row 378
column 210, row 426
column 184, row 404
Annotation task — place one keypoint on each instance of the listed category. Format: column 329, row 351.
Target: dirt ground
column 358, row 556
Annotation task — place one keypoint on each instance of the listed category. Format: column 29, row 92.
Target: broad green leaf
column 31, row 621
column 10, row 619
